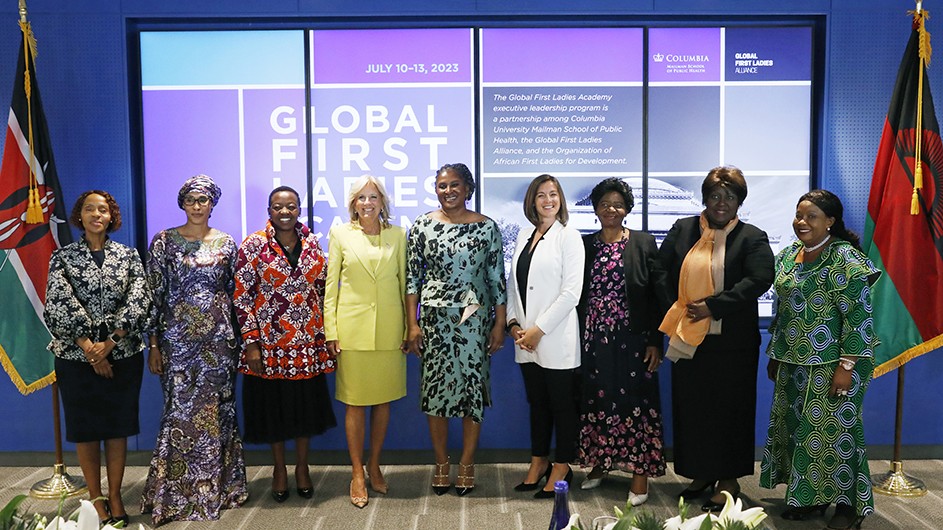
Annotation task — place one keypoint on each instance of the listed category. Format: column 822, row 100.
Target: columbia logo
column 658, row 57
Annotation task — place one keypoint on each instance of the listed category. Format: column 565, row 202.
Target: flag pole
column 60, row 484
column 895, row 482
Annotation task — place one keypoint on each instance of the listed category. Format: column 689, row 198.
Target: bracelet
column 847, row 364
column 510, row 326
column 152, row 346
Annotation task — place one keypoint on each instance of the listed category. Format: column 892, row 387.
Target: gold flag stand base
column 897, row 484
column 59, row 485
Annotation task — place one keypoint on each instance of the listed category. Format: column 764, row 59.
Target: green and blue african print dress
column 816, row 442
column 455, row 268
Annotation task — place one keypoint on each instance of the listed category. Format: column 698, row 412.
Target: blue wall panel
column 83, row 74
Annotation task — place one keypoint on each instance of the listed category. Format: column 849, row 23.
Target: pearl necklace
column 818, row 246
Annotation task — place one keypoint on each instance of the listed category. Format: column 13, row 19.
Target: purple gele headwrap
column 200, row 184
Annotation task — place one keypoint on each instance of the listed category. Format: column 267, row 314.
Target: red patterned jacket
column 281, row 308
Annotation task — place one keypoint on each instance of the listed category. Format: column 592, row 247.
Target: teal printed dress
column 453, row 267
column 816, row 443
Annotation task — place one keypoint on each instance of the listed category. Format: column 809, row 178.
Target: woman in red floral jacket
column 279, row 296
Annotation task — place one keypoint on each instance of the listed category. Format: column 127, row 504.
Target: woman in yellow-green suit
column 364, row 324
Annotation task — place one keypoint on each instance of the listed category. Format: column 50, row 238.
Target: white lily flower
column 675, row 523
column 40, row 522
column 733, row 511
column 88, row 517
column 58, row 523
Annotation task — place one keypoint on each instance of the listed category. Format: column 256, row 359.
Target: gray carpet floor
column 410, row 504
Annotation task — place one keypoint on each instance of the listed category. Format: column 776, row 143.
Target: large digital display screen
column 396, row 104
column 657, row 106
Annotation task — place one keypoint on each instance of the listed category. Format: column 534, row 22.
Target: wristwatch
column 114, row 337
column 847, row 364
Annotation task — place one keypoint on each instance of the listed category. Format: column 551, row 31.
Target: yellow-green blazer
column 364, row 308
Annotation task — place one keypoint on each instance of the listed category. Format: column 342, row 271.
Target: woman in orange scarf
column 717, row 268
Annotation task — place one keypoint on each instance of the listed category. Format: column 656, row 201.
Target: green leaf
column 706, row 524
column 646, row 520
column 734, row 525
column 624, row 523
column 6, row 515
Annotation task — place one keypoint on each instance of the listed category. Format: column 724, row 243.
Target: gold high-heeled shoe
column 379, row 486
column 440, row 479
column 465, row 483
column 358, row 501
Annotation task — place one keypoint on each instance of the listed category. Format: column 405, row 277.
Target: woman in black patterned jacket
column 96, row 308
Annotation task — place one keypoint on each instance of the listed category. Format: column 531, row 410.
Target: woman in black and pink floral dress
column 623, row 301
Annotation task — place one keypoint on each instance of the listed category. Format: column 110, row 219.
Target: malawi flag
column 25, row 247
column 908, row 301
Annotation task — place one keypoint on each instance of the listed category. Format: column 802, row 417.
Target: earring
column 828, row 229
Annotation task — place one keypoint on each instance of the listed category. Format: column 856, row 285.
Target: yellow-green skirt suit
column 364, row 312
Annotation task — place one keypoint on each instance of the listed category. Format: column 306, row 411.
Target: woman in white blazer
column 543, row 291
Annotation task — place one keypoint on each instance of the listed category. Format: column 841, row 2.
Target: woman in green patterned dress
column 455, row 269
column 821, row 360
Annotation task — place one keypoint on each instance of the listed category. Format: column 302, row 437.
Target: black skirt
column 282, row 409
column 97, row 408
column 714, row 412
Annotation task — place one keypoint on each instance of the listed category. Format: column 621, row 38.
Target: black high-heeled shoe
column 690, row 493
column 845, row 518
column 108, row 519
column 306, row 493
column 524, row 486
column 280, row 496
column 544, row 494
column 801, row 513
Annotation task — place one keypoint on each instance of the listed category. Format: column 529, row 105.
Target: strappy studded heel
column 465, row 483
column 440, row 479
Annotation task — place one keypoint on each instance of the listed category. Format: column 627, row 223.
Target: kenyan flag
column 25, row 247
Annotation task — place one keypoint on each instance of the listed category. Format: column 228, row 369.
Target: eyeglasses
column 190, row 200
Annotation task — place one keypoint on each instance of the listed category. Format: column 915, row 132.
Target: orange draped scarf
column 702, row 275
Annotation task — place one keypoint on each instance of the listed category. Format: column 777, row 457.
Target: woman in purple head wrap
column 198, row 466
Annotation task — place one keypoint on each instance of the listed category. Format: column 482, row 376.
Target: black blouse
column 523, row 268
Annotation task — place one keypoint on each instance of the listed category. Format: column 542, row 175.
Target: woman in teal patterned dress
column 821, row 360
column 455, row 270
column 198, row 467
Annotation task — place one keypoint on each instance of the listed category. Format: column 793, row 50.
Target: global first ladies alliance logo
column 750, row 63
column 682, row 63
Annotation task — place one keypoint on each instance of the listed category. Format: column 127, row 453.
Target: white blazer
column 553, row 287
